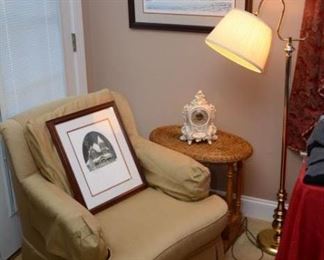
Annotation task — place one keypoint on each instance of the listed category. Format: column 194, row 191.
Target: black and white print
column 97, row 151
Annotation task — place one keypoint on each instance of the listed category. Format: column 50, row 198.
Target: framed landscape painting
column 181, row 15
column 97, row 156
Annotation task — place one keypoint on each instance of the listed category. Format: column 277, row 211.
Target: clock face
column 199, row 117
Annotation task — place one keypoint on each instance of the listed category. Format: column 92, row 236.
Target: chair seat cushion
column 151, row 225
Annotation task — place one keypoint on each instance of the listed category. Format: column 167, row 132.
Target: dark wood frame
column 171, row 27
column 68, row 169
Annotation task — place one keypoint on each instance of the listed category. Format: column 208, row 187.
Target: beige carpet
column 244, row 249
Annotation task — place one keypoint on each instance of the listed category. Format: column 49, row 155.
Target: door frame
column 75, row 61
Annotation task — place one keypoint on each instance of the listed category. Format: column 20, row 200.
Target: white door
column 41, row 59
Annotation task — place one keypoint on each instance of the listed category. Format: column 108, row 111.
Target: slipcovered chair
column 174, row 218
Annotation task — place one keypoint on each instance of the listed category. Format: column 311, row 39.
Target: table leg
column 234, row 228
column 239, row 183
column 229, row 190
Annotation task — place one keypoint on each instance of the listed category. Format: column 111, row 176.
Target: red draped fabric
column 303, row 231
column 307, row 95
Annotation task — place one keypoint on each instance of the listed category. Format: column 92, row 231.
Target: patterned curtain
column 307, row 94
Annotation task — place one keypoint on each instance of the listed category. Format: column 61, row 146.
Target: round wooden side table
column 228, row 149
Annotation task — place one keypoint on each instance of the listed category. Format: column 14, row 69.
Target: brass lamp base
column 267, row 241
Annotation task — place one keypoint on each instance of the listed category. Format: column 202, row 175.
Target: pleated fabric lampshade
column 243, row 38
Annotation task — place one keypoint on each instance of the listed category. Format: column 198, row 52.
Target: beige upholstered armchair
column 174, row 218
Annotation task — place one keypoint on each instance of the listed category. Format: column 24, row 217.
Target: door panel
column 35, row 57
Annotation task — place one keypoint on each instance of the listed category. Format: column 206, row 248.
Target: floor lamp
column 245, row 39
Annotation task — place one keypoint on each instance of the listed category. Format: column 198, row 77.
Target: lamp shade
column 243, row 38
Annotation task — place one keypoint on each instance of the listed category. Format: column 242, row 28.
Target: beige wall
column 160, row 71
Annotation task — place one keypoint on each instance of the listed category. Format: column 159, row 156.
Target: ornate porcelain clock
column 198, row 120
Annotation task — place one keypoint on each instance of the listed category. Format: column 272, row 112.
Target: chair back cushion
column 40, row 152
column 40, row 141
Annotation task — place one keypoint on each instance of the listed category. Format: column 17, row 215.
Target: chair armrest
column 69, row 230
column 174, row 173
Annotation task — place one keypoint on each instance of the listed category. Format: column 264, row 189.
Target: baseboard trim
column 258, row 208
column 255, row 208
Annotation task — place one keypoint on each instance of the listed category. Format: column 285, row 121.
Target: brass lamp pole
column 269, row 239
column 245, row 39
